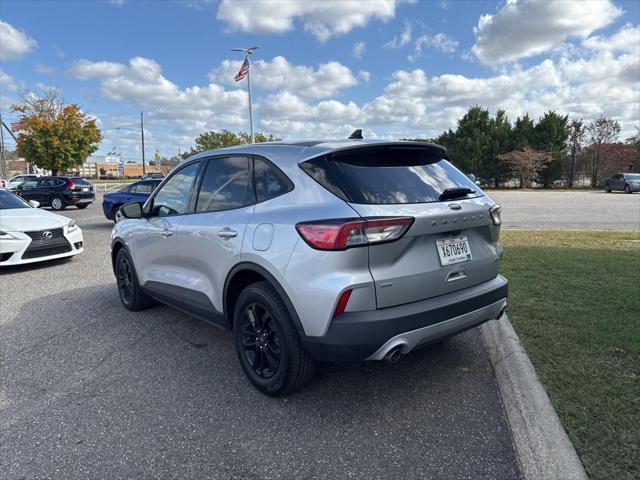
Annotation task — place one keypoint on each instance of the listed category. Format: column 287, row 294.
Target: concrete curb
column 541, row 443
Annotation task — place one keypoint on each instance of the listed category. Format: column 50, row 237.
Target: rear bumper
column 371, row 335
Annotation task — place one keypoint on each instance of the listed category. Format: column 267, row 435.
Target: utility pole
column 247, row 53
column 4, row 165
column 142, row 136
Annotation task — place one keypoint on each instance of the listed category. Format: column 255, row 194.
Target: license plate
column 85, row 189
column 453, row 250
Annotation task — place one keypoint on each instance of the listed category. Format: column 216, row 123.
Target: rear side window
column 388, row 175
column 226, row 185
column 270, row 181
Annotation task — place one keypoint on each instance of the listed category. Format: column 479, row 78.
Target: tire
column 82, row 206
column 281, row 366
column 627, row 189
column 57, row 203
column 607, row 188
column 131, row 295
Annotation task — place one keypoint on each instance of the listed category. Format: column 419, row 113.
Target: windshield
column 9, row 201
column 633, row 176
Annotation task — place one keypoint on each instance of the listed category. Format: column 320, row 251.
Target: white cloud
column 7, row 83
column 118, row 3
column 439, row 41
column 401, row 40
column 14, row 43
column 627, row 39
column 323, row 19
column 45, row 69
column 85, row 69
column 364, row 76
column 278, row 74
column 526, row 28
column 358, row 49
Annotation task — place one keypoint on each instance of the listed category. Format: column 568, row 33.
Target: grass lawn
column 575, row 303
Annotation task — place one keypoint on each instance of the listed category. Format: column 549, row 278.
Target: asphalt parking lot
column 90, row 390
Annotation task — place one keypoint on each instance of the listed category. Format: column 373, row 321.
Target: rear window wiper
column 457, row 192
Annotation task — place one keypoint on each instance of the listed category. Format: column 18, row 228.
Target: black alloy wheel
column 260, row 340
column 125, row 280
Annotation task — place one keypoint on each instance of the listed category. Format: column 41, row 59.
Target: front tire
column 57, row 203
column 131, row 295
column 607, row 188
column 267, row 343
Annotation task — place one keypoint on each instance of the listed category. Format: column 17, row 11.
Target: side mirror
column 132, row 210
column 34, row 204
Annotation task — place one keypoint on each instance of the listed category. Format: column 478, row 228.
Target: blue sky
column 394, row 68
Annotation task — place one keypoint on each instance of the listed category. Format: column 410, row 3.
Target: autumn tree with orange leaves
column 525, row 164
column 53, row 135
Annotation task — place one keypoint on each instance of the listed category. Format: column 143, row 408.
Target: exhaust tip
column 394, row 354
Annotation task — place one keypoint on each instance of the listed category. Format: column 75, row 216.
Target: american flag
column 16, row 126
column 244, row 69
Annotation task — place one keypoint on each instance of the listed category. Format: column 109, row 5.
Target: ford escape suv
column 316, row 251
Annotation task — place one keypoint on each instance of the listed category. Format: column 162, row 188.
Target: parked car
column 16, row 180
column 316, row 251
column 57, row 192
column 626, row 182
column 136, row 192
column 28, row 234
column 152, row 175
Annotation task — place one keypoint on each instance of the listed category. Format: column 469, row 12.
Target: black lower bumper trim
column 356, row 336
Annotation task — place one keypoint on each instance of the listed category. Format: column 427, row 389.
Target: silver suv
column 316, row 251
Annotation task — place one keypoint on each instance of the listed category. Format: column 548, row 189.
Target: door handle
column 166, row 233
column 227, row 233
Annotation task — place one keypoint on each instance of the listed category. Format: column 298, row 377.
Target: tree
column 577, row 131
column 525, row 164
column 103, row 171
column 53, row 135
column 523, row 133
column 213, row 140
column 550, row 135
column 601, row 131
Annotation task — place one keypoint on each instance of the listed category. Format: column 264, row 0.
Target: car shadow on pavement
column 13, row 269
column 79, row 366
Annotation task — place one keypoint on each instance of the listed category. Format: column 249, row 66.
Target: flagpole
column 253, row 140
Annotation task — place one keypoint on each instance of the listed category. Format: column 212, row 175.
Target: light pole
column 247, row 52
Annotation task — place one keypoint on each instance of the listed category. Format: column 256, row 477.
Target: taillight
column 70, row 184
column 342, row 303
column 340, row 234
column 495, row 214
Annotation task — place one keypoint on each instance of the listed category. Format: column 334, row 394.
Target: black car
column 57, row 192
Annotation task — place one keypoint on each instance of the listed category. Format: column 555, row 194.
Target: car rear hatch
column 82, row 188
column 452, row 243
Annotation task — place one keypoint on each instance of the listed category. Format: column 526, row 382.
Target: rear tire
column 57, row 203
column 267, row 342
column 82, row 206
column 131, row 295
column 607, row 188
column 627, row 189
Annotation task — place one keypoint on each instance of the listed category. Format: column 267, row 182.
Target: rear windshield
column 389, row 175
column 81, row 181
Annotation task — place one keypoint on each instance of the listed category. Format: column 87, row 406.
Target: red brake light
column 342, row 303
column 341, row 234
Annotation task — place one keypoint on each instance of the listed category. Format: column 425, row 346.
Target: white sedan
column 28, row 234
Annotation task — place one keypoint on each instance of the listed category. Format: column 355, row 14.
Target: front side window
column 173, row 197
column 270, row 181
column 226, row 185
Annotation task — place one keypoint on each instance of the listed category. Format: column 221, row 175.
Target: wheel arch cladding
column 245, row 274
column 117, row 246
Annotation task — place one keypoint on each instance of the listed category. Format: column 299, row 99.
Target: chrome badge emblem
column 455, row 206
column 47, row 235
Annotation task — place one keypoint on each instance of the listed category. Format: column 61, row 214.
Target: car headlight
column 71, row 226
column 6, row 236
column 495, row 214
